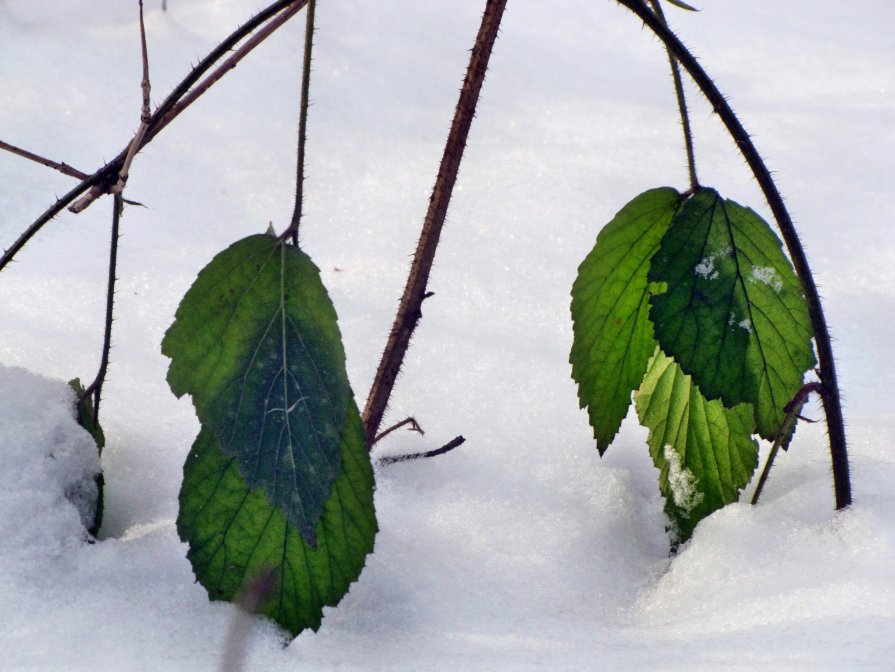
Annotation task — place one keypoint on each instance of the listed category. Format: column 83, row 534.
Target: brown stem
column 195, row 92
column 102, row 181
column 827, row 368
column 63, row 168
column 446, row 448
column 159, row 120
column 145, row 116
column 681, row 104
column 793, row 408
column 95, row 389
column 414, row 427
column 292, row 230
column 409, row 310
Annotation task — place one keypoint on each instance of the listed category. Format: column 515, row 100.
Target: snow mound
column 47, row 468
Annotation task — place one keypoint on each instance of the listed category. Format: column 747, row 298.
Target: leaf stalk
column 292, row 231
column 681, row 104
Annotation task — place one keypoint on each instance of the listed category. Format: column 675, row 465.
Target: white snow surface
column 521, row 550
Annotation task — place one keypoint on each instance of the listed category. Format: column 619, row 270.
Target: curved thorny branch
column 827, row 369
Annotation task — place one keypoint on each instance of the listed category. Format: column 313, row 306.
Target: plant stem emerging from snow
column 793, row 408
column 831, row 399
column 409, row 309
column 96, row 387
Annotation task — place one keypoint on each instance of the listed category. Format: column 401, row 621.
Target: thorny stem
column 409, row 309
column 106, row 177
column 793, row 408
column 446, row 448
column 57, row 207
column 220, row 51
column 681, row 104
column 63, row 168
column 831, row 399
column 96, row 387
column 199, row 89
column 292, row 230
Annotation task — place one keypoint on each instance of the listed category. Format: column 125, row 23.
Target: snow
column 768, row 276
column 50, row 464
column 521, row 550
column 706, row 267
column 681, row 481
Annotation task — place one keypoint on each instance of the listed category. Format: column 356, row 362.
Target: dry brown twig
column 152, row 126
column 62, row 167
column 105, row 178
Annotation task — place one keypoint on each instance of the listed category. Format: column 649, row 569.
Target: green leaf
column 84, row 416
column 734, row 316
column 239, row 543
column 256, row 344
column 612, row 335
column 704, row 452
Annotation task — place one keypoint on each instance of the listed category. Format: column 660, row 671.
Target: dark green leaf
column 613, row 337
column 734, row 316
column 705, row 452
column 84, row 416
column 240, row 544
column 256, row 344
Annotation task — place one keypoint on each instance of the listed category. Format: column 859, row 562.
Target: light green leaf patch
column 244, row 549
column 704, row 452
column 734, row 316
column 613, row 337
column 256, row 344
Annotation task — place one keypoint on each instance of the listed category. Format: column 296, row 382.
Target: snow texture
column 681, row 481
column 706, row 268
column 768, row 276
column 47, row 486
column 521, row 550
